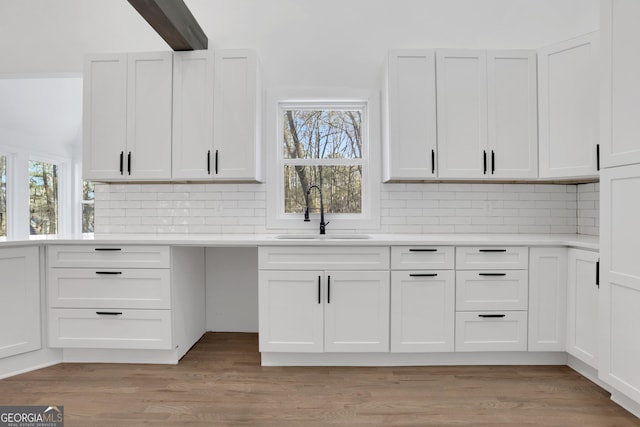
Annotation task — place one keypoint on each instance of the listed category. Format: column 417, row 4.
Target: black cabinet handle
column 423, row 250
column 484, row 160
column 319, row 296
column 108, row 272
column 122, row 163
column 598, row 273
column 492, row 250
column 597, row 157
column 423, row 274
column 129, row 162
column 216, row 162
column 492, row 274
column 209, row 162
column 107, row 249
column 493, row 162
column 109, row 313
column 492, row 315
column 328, row 289
column 433, row 162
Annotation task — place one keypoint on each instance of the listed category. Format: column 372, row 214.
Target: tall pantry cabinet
column 619, row 346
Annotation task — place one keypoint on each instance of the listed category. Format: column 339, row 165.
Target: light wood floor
column 220, row 383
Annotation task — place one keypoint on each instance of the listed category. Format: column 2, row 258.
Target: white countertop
column 248, row 240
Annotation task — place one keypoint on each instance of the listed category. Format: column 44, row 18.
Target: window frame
column 281, row 100
column 65, row 221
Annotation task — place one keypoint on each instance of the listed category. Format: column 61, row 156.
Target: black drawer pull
column 491, row 315
column 423, row 250
column 423, row 274
column 492, row 274
column 109, row 313
column 107, row 249
column 492, row 250
column 108, row 272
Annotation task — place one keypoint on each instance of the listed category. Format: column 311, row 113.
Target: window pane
column 43, row 198
column 88, row 197
column 341, row 188
column 327, row 134
column 3, row 196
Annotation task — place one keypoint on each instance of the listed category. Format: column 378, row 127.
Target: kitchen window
column 3, row 197
column 325, row 143
column 88, row 206
column 43, row 198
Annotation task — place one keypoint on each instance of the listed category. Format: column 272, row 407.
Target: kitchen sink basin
column 323, row 236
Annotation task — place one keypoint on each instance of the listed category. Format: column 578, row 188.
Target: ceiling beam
column 174, row 22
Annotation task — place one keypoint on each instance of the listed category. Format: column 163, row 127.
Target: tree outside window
column 88, row 207
column 3, row 196
column 43, row 198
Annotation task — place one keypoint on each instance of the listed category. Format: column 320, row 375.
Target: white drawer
column 491, row 331
column 492, row 290
column 323, row 258
column 104, row 288
column 487, row 257
column 422, row 257
column 113, row 256
column 121, row 329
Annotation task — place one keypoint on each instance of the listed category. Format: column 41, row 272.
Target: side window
column 43, row 198
column 88, row 198
column 3, row 197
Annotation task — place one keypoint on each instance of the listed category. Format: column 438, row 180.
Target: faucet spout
column 306, row 212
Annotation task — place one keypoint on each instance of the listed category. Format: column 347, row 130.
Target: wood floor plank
column 220, row 383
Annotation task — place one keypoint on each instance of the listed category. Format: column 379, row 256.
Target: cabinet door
column 620, row 86
column 19, row 300
column 619, row 344
column 357, row 311
column 547, row 299
column 512, row 113
column 582, row 306
column 104, row 117
column 462, row 113
column 568, row 79
column 192, row 115
column 149, row 107
column 291, row 315
column 236, row 116
column 410, row 138
column 422, row 311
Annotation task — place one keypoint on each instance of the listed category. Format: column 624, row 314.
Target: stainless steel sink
column 323, row 236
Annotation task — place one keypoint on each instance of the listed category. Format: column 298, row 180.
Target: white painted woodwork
column 462, row 112
column 132, row 329
column 192, row 156
column 357, row 311
column 291, row 311
column 323, row 258
column 620, row 87
column 512, row 113
column 476, row 290
column 422, row 257
column 582, row 306
column 492, row 258
column 619, row 346
column 108, row 256
column 476, row 333
column 104, row 116
column 19, row 300
column 409, row 122
column 422, row 311
column 547, row 298
column 129, row 288
column 568, row 81
column 237, row 116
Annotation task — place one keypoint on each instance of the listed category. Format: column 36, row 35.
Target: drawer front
column 422, row 257
column 491, row 331
column 108, row 256
column 492, row 290
column 489, row 258
column 95, row 288
column 323, row 258
column 130, row 329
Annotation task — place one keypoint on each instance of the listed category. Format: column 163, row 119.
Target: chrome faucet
column 306, row 212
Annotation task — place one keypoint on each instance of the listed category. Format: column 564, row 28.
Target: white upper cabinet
column 127, row 117
column 409, row 136
column 620, row 134
column 193, row 115
column 568, row 79
column 236, row 116
column 487, row 115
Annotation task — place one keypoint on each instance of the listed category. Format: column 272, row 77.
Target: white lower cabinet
column 491, row 331
column 582, row 308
